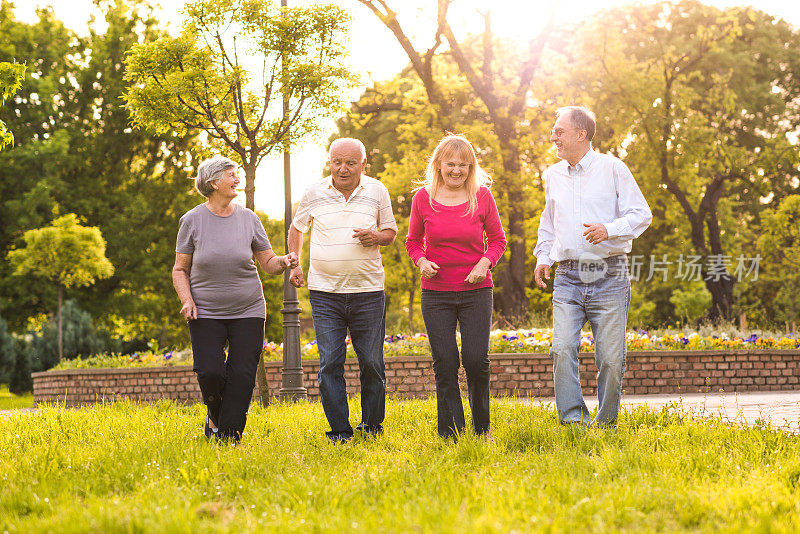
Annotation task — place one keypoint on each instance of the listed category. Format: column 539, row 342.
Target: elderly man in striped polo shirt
column 350, row 218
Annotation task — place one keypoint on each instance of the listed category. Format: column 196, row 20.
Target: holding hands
column 290, row 261
column 296, row 276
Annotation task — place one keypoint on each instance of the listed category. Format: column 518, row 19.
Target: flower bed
column 500, row 341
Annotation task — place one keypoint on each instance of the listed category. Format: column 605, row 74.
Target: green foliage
column 11, row 76
column 20, row 380
column 65, row 252
column 691, row 303
column 76, row 149
column 779, row 248
column 641, row 310
column 700, row 102
column 196, row 81
column 7, row 353
column 152, row 471
column 80, row 337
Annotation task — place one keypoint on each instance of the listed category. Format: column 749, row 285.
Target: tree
column 506, row 101
column 703, row 105
column 76, row 148
column 7, row 353
column 11, row 76
column 197, row 82
column 20, row 380
column 80, row 338
column 779, row 249
column 691, row 303
column 66, row 253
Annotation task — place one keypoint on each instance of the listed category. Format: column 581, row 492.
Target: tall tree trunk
column 720, row 284
column 60, row 328
column 721, row 297
column 249, row 183
column 513, row 304
column 250, row 203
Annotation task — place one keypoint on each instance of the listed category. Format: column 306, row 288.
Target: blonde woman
column 455, row 237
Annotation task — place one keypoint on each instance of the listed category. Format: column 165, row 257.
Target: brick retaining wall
column 412, row 376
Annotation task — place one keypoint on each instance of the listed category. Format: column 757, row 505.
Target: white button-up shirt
column 599, row 189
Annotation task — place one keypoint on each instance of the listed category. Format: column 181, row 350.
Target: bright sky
column 375, row 54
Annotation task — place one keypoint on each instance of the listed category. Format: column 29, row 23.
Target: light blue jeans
column 604, row 303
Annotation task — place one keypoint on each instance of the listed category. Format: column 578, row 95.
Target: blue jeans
column 364, row 314
column 472, row 312
column 604, row 303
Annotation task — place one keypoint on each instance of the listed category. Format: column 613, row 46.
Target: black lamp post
column 292, row 373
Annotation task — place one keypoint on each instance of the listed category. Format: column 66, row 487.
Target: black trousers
column 472, row 311
column 227, row 383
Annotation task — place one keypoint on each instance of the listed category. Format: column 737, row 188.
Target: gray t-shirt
column 224, row 279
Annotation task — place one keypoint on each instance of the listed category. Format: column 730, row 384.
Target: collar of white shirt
column 583, row 164
column 329, row 185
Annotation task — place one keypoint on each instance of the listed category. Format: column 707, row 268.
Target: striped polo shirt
column 339, row 263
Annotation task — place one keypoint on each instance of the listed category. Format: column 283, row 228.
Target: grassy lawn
column 9, row 401
column 125, row 467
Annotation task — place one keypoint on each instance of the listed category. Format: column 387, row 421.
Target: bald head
column 348, row 144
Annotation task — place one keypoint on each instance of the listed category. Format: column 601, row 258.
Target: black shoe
column 339, row 437
column 374, row 430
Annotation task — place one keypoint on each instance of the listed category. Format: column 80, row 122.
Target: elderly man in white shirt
column 593, row 211
column 350, row 218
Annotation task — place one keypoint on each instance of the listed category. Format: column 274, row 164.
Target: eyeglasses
column 558, row 132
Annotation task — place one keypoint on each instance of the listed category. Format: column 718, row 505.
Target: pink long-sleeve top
column 455, row 241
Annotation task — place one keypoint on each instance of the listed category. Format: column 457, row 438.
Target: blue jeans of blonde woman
column 604, row 304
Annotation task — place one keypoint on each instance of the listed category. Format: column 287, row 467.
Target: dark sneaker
column 374, row 430
column 339, row 437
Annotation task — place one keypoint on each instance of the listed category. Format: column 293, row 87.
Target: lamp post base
column 292, row 373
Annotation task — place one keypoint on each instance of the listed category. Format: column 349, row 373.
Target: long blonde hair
column 456, row 145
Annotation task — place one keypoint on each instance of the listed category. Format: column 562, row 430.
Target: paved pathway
column 779, row 409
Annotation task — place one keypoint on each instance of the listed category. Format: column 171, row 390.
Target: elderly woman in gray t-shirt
column 221, row 294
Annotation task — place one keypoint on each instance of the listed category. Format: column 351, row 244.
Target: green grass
column 126, row 467
column 9, row 401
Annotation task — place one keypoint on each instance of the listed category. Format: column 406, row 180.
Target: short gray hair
column 210, row 170
column 361, row 146
column 580, row 117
